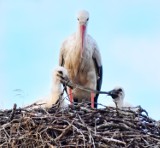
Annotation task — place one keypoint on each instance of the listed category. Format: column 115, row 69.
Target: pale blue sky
column 128, row 35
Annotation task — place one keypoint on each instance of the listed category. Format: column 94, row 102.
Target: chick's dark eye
column 87, row 19
column 60, row 72
column 78, row 19
column 119, row 89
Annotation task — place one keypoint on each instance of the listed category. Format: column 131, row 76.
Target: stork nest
column 78, row 126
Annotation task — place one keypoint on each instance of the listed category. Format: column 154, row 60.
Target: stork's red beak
column 83, row 29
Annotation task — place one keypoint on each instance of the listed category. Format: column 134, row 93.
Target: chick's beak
column 113, row 94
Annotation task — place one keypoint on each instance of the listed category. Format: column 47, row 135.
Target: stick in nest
column 13, row 112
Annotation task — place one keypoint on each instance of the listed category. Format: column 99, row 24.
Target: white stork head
column 60, row 73
column 83, row 18
column 117, row 95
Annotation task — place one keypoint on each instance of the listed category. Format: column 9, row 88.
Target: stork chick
column 117, row 95
column 56, row 91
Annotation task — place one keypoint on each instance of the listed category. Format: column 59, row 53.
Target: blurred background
column 127, row 33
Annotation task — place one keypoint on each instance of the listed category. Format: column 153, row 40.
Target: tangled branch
column 77, row 126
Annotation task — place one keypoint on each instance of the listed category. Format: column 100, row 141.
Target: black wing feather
column 99, row 80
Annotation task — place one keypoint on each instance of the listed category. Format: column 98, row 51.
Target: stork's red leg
column 70, row 96
column 92, row 99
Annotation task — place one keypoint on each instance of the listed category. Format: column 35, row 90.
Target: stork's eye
column 87, row 19
column 78, row 19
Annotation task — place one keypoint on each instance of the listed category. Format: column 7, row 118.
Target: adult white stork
column 80, row 55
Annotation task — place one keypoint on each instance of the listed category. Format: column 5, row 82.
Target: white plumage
column 118, row 95
column 80, row 55
column 56, row 91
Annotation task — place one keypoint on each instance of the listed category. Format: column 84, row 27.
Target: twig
column 71, row 85
column 111, row 140
column 64, row 131
column 13, row 111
